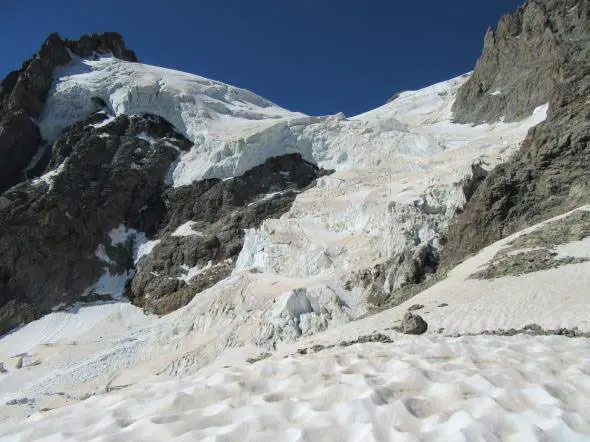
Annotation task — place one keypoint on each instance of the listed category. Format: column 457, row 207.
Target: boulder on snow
column 413, row 324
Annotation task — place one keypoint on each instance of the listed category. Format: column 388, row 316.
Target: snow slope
column 436, row 389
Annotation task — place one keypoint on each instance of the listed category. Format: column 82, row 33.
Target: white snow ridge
column 278, row 351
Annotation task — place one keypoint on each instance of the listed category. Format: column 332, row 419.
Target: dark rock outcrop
column 413, row 324
column 549, row 174
column 524, row 60
column 23, row 93
column 218, row 212
column 394, row 281
column 102, row 178
column 106, row 43
column 19, row 140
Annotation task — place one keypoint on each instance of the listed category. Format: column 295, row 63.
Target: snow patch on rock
column 49, row 177
column 145, row 248
column 112, row 284
column 186, row 229
column 101, row 253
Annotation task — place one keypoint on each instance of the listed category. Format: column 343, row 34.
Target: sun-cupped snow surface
column 65, row 350
column 428, row 388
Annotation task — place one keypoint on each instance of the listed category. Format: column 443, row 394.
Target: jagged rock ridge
column 524, row 60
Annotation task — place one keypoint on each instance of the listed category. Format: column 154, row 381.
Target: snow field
column 427, row 388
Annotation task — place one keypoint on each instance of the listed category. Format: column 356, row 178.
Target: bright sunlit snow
column 235, row 130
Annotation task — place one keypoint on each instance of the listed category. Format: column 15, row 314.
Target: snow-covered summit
column 233, row 129
column 208, row 112
column 193, row 104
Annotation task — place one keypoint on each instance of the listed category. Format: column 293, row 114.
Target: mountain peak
column 104, row 43
column 23, row 94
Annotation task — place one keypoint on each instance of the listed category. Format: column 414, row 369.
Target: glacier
column 399, row 170
column 398, row 179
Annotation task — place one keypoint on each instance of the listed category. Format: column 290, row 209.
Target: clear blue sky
column 314, row 56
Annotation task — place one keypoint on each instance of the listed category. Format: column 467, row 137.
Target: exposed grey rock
column 524, row 60
column 258, row 358
column 21, row 401
column 19, row 139
column 471, row 183
column 415, row 307
column 532, row 330
column 394, row 97
column 525, row 262
column 535, row 251
column 14, row 310
column 375, row 337
column 413, row 324
column 388, row 282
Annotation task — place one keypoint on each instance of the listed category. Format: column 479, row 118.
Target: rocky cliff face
column 524, row 60
column 549, row 174
column 102, row 176
column 23, row 92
